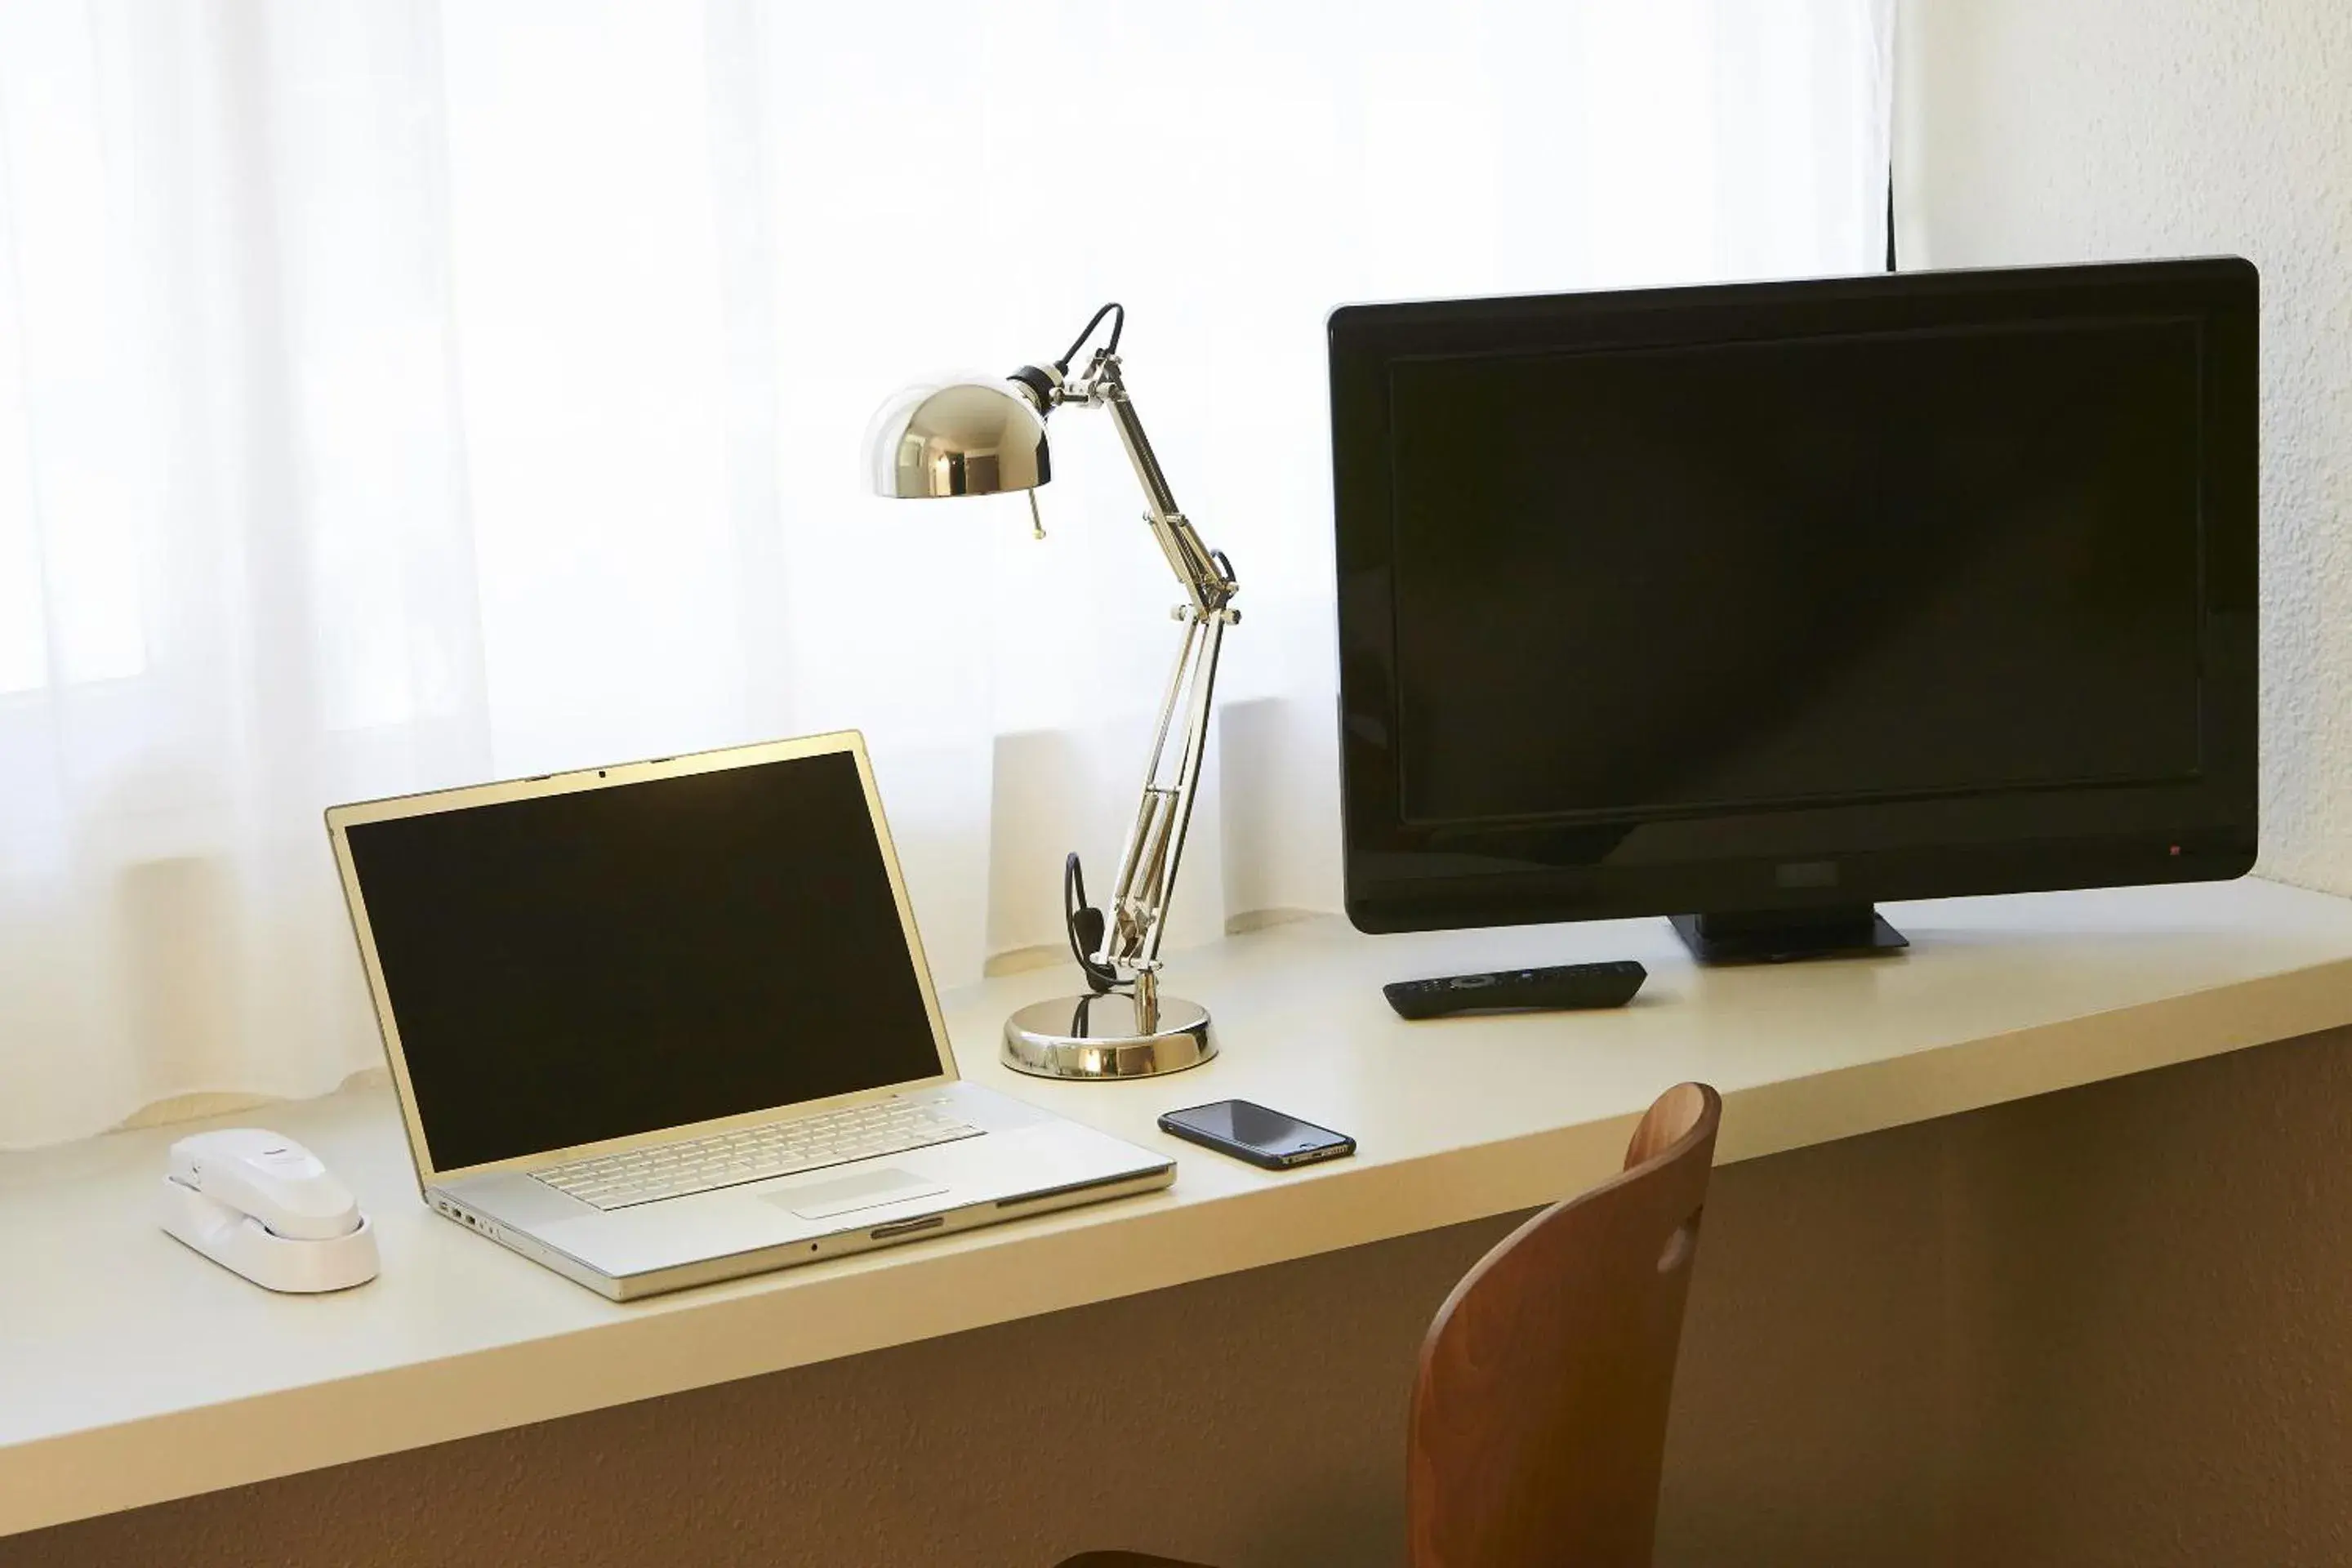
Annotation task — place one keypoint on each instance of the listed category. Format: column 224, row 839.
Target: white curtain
column 396, row 395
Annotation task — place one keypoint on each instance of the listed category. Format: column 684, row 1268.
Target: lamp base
column 1102, row 1038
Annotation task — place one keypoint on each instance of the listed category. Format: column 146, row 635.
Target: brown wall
column 2111, row 1326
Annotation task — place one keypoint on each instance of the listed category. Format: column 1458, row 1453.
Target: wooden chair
column 1539, row 1415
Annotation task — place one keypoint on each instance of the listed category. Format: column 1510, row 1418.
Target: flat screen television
column 1758, row 604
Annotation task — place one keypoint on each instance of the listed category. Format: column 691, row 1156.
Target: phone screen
column 1255, row 1127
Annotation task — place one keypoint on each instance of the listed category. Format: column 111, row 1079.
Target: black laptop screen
column 634, row 957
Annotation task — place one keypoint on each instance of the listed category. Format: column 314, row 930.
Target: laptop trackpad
column 870, row 1189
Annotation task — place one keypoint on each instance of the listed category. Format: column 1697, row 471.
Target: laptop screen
column 620, row 960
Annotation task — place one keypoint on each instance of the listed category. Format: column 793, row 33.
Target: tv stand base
column 1782, row 936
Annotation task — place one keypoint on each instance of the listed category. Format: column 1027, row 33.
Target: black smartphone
column 1252, row 1132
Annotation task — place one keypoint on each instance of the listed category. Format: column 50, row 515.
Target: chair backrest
column 1540, row 1416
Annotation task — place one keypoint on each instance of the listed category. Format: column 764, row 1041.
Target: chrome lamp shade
column 963, row 438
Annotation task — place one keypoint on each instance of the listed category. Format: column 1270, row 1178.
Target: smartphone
column 1252, row 1133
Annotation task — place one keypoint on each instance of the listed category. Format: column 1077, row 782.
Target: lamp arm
column 1138, row 906
column 1193, row 563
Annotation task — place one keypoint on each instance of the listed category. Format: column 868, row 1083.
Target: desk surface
column 132, row 1371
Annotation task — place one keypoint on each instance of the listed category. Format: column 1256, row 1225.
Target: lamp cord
column 1084, row 924
column 1117, row 327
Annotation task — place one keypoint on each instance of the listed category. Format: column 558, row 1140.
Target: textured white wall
column 2033, row 131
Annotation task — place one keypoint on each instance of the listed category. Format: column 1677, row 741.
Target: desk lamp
column 982, row 437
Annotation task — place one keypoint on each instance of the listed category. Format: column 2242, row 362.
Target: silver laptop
column 667, row 1022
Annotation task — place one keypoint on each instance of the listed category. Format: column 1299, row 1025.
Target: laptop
column 667, row 1023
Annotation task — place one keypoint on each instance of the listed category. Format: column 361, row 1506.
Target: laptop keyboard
column 755, row 1153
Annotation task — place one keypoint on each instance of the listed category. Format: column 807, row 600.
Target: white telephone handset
column 260, row 1204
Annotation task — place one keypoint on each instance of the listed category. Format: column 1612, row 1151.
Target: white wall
column 2033, row 131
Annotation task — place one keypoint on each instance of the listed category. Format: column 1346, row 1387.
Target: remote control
column 1568, row 986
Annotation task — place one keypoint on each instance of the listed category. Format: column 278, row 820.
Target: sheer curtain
column 396, row 395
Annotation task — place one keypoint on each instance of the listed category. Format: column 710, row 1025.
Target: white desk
column 132, row 1371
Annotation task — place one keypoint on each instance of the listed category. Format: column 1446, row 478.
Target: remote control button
column 1472, row 982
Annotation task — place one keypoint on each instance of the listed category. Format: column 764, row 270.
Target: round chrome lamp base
column 1102, row 1038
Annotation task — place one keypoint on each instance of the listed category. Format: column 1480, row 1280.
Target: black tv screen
column 1772, row 596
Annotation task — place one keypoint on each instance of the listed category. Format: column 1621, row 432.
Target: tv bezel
column 1400, row 876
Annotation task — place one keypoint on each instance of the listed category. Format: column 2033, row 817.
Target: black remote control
column 1568, row 986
